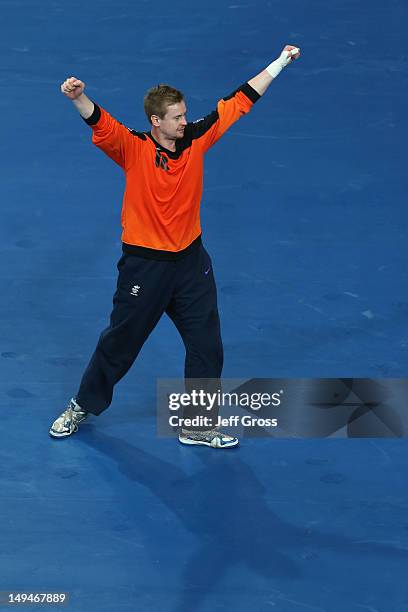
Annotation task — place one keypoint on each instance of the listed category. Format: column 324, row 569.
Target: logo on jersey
column 161, row 160
column 135, row 290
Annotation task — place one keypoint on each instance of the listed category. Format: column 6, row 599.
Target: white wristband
column 283, row 60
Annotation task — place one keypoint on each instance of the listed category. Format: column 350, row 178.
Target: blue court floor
column 304, row 214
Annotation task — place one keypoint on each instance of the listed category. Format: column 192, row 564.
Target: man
column 164, row 267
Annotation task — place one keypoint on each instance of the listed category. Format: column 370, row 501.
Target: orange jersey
column 161, row 203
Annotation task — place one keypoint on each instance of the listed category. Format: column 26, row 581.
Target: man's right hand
column 73, row 88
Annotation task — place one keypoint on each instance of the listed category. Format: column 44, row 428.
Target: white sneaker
column 213, row 438
column 67, row 423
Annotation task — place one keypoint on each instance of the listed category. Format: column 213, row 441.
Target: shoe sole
column 202, row 443
column 60, row 435
column 57, row 434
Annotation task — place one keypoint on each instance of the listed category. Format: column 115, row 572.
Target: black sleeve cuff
column 246, row 89
column 250, row 92
column 94, row 118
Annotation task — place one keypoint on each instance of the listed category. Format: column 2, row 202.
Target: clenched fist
column 72, row 88
column 291, row 48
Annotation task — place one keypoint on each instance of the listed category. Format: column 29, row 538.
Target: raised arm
column 262, row 80
column 116, row 140
column 73, row 88
column 209, row 129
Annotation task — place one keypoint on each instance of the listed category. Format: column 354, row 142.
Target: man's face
column 174, row 121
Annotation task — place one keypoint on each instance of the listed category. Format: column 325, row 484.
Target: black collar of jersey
column 181, row 144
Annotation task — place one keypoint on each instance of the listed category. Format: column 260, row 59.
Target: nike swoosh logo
column 207, row 271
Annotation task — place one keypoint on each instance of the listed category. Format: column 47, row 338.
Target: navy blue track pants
column 185, row 290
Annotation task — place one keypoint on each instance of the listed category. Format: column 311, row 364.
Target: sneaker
column 213, row 438
column 67, row 423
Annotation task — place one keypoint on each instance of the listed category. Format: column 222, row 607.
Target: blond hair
column 158, row 98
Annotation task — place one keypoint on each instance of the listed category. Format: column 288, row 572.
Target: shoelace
column 212, row 433
column 70, row 416
column 67, row 418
